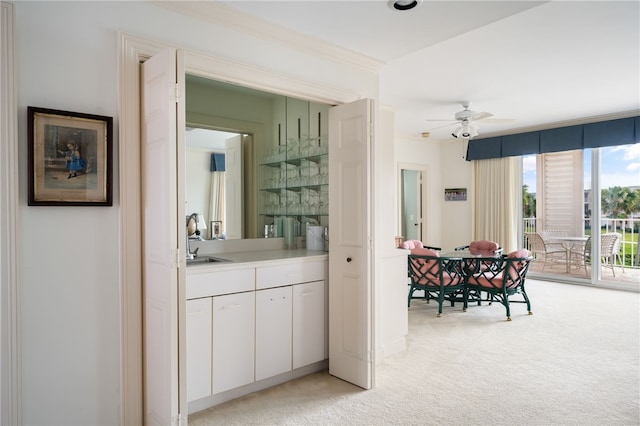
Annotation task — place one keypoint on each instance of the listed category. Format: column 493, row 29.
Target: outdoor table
column 568, row 243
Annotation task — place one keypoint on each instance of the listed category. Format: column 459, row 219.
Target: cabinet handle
column 348, row 259
column 237, row 305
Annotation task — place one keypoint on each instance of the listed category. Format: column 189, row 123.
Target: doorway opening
column 412, row 203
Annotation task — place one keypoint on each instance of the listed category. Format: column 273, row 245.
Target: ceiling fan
column 465, row 119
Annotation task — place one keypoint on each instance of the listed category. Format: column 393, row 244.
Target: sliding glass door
column 586, row 202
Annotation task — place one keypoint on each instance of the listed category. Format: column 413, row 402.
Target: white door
column 163, row 272
column 411, row 203
column 233, row 188
column 350, row 225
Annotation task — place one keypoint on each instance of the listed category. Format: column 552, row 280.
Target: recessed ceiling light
column 404, row 4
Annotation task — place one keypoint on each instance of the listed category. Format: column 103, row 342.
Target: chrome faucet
column 191, row 255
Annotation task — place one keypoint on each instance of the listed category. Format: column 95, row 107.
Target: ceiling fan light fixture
column 403, row 5
column 466, row 131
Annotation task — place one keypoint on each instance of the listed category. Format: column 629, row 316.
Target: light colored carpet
column 576, row 361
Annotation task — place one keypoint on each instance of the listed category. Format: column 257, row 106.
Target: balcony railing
column 627, row 227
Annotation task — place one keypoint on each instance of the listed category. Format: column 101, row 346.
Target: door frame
column 424, row 173
column 10, row 351
column 134, row 50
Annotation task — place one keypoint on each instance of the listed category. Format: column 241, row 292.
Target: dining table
column 568, row 243
column 470, row 264
column 470, row 254
column 469, row 257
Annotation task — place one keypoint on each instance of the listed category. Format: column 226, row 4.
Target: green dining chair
column 502, row 281
column 439, row 278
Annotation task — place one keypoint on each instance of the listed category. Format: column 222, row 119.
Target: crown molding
column 222, row 15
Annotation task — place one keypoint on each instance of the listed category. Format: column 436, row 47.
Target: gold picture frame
column 70, row 158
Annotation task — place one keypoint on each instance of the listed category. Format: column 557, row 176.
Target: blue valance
column 217, row 163
column 621, row 131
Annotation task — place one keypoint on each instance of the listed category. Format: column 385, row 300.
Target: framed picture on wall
column 70, row 158
column 455, row 194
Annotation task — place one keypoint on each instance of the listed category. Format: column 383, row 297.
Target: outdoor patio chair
column 609, row 252
column 549, row 235
column 615, row 253
column 550, row 254
column 504, row 280
column 584, row 257
column 439, row 278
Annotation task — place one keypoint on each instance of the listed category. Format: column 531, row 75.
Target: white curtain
column 498, row 193
column 216, row 206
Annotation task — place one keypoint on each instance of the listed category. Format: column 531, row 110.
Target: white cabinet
column 309, row 319
column 250, row 324
column 199, row 348
column 233, row 340
column 273, row 331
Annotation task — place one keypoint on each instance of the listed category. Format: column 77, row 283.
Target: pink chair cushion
column 426, row 267
column 495, row 281
column 483, row 245
column 513, row 272
column 411, row 244
column 424, row 252
column 520, row 253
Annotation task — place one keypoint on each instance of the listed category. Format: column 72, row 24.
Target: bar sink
column 205, row 259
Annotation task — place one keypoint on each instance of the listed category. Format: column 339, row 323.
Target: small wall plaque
column 455, row 194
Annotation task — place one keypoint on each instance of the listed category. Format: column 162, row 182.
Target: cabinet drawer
column 293, row 273
column 220, row 282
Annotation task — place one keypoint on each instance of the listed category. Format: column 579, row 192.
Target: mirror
column 263, row 123
column 207, row 175
column 231, row 111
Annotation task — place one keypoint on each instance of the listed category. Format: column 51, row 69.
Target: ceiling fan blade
column 450, row 123
column 499, row 120
column 480, row 116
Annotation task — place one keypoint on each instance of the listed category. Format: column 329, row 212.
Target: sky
column 620, row 166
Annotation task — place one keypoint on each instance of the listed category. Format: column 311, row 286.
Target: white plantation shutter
column 560, row 192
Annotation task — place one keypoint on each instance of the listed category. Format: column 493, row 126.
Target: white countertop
column 245, row 258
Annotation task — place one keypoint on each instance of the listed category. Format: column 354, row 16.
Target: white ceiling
column 538, row 64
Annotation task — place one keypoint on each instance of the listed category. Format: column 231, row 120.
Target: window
column 558, row 193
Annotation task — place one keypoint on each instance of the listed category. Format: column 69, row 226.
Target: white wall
column 448, row 224
column 456, row 172
column 198, row 189
column 67, row 58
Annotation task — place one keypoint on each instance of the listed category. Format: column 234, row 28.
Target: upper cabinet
column 295, row 170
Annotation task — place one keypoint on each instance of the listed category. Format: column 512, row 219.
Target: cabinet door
column 309, row 323
column 233, row 340
column 198, row 348
column 273, row 331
